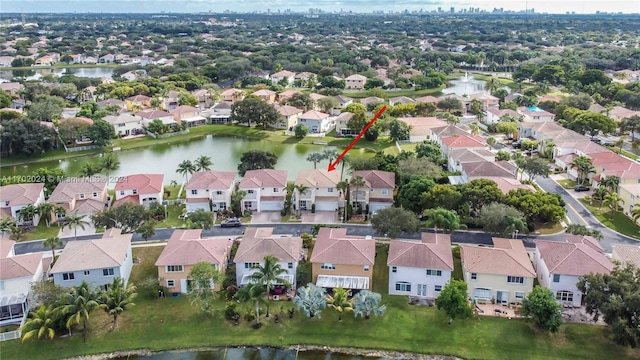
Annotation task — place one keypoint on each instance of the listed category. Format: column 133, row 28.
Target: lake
column 248, row 354
column 36, row 73
column 465, row 86
column 164, row 158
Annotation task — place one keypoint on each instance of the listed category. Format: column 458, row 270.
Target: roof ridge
column 403, row 252
column 99, row 246
column 511, row 255
column 435, row 252
column 206, row 250
column 13, row 258
column 357, row 248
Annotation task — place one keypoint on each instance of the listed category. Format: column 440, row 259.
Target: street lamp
column 516, row 233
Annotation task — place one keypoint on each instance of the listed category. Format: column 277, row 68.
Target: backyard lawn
column 172, row 323
column 620, row 222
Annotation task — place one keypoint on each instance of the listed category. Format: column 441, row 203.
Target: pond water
column 465, row 85
column 35, row 73
column 249, row 354
column 164, row 158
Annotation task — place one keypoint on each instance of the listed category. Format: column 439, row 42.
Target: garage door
column 326, row 206
column 196, row 206
column 480, row 293
column 271, row 206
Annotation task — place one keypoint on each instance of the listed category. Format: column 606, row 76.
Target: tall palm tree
column 614, row 202
column 53, row 243
column 45, row 210
column 475, row 129
column 611, row 183
column 340, row 301
column 357, row 182
column 301, row 188
column 443, row 219
column 583, row 166
column 330, row 154
column 75, row 221
column 315, row 157
column 344, row 161
column 252, row 293
column 203, row 163
column 109, row 163
column 290, row 188
column 514, row 225
column 117, row 298
column 343, row 186
column 80, row 303
column 492, row 85
column 186, row 168
column 39, row 324
column 268, row 274
column 620, row 143
column 27, row 213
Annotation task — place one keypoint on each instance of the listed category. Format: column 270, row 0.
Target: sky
column 155, row 6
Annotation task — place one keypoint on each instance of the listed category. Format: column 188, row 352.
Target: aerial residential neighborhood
column 337, row 183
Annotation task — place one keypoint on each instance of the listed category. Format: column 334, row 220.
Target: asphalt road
column 578, row 214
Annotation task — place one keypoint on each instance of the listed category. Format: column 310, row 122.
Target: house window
column 474, row 276
column 564, row 296
column 68, row 276
column 431, row 272
column 173, row 268
column 519, row 295
column 218, row 192
column 95, row 194
column 253, row 265
column 394, row 269
column 556, row 278
column 194, row 192
column 384, row 191
column 81, row 196
column 438, row 288
column 107, row 272
column 86, row 273
column 250, row 191
column 515, row 279
column 171, row 283
column 403, row 286
column 328, row 266
column 290, row 265
column 275, row 190
column 330, row 190
column 247, row 205
column 366, row 268
column 121, row 193
column 135, row 191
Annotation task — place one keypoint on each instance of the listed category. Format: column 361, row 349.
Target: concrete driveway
column 70, row 232
column 265, row 217
column 320, row 217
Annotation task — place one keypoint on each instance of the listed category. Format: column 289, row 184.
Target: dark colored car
column 233, row 222
column 581, row 188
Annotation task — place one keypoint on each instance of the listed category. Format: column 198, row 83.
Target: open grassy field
column 172, row 323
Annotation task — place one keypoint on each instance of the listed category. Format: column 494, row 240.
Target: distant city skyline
column 191, row 6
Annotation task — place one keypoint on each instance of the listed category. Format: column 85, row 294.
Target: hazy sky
column 127, row 6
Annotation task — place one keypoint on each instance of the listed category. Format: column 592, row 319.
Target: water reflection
column 465, row 86
column 38, row 73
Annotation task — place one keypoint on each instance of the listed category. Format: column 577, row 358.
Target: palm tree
column 53, row 242
column 344, row 161
column 614, row 202
column 117, row 298
column 475, row 129
column 301, row 188
column 366, row 303
column 311, row 300
column 340, row 301
column 620, row 143
column 492, row 85
column 269, row 274
column 635, row 212
column 27, row 213
column 16, row 231
column 583, row 166
column 45, row 210
column 89, row 169
column 514, row 225
column 358, row 182
column 109, row 163
column 330, row 154
column 443, row 219
column 60, row 212
column 343, row 186
column 252, row 292
column 315, row 157
column 186, row 168
column 611, row 183
column 80, row 303
column 203, row 163
column 6, row 224
column 75, row 221
column 40, row 323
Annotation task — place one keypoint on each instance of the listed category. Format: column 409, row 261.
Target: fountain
column 466, row 77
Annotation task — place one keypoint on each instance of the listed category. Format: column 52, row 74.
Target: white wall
column 416, row 276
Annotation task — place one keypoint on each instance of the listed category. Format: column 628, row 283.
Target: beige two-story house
column 265, row 190
column 81, row 196
column 377, row 192
column 355, row 82
column 210, row 190
column 321, row 190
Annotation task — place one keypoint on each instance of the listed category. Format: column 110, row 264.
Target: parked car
column 581, row 188
column 596, row 140
column 232, row 222
column 516, row 144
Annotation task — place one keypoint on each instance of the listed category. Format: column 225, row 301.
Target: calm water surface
column 35, row 73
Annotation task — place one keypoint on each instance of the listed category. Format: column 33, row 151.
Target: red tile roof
column 264, row 178
column 507, row 257
column 144, row 183
column 21, row 194
column 212, row 179
column 433, row 252
column 579, row 256
column 259, row 242
column 377, row 179
column 187, row 247
column 333, row 246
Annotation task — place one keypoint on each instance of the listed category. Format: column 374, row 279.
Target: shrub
column 313, row 208
column 300, row 131
column 306, row 240
column 230, row 312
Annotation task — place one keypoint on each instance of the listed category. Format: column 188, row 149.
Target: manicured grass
column 42, row 232
column 172, row 323
column 173, row 191
column 406, row 92
column 457, row 269
column 548, row 228
column 173, row 211
column 620, row 222
column 567, row 184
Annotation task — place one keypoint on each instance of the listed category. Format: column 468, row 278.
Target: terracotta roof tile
column 377, row 179
column 507, row 257
column 264, row 178
column 187, row 247
column 433, row 252
column 212, row 179
column 20, row 266
column 333, row 246
column 144, row 183
column 20, row 194
column 259, row 242
column 68, row 189
column 109, row 251
column 580, row 255
column 318, row 178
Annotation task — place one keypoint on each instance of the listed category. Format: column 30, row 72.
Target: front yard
column 620, row 222
column 172, row 323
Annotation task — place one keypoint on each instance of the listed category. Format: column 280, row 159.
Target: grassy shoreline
column 59, row 66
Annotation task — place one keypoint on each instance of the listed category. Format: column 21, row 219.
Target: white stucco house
column 259, row 242
column 420, row 268
column 142, row 189
column 210, row 190
column 126, row 124
column 316, row 121
column 15, row 197
column 560, row 265
column 265, row 190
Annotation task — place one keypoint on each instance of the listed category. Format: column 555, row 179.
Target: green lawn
column 548, row 228
column 567, row 184
column 620, row 222
column 457, row 269
column 41, row 232
column 173, row 323
column 406, row 92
